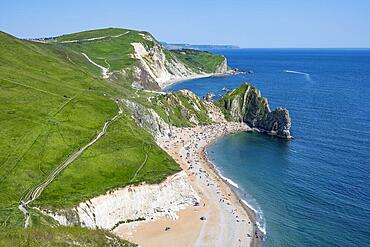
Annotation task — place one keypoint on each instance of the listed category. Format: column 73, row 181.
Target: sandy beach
column 220, row 219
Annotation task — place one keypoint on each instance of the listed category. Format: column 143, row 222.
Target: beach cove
column 220, row 218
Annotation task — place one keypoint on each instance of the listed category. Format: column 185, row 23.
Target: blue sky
column 259, row 23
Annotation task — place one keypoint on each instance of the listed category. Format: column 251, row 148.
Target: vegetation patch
column 199, row 61
column 59, row 236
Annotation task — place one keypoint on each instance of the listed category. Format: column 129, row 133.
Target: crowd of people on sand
column 189, row 144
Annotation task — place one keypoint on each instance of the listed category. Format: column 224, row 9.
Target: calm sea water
column 314, row 190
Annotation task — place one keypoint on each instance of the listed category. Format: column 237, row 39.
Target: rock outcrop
column 245, row 104
column 148, row 119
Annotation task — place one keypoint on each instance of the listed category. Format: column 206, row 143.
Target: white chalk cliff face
column 131, row 204
column 155, row 67
column 155, row 70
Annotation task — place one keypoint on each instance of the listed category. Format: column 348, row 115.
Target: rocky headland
column 245, row 104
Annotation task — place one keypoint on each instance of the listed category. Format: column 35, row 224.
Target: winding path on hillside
column 35, row 192
column 93, row 39
column 103, row 69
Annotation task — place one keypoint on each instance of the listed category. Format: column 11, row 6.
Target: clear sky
column 258, row 23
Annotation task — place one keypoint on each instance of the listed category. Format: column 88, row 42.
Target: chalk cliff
column 157, row 67
column 132, row 203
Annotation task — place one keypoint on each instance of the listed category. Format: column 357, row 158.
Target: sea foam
column 260, row 220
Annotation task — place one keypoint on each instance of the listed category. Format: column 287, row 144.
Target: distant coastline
column 171, row 46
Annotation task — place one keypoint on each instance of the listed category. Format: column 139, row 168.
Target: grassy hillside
column 49, row 108
column 112, row 48
column 53, row 102
column 199, row 60
column 117, row 160
column 113, row 51
column 178, row 109
column 59, row 236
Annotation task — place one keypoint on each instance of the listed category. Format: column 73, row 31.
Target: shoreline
column 258, row 235
column 220, row 219
column 169, row 83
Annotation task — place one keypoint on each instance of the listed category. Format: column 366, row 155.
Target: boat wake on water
column 306, row 75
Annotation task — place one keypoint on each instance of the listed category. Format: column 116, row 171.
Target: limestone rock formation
column 245, row 104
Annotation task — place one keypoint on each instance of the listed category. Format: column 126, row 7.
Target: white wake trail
column 307, row 76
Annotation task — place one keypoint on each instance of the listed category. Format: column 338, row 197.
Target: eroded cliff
column 157, row 67
column 245, row 104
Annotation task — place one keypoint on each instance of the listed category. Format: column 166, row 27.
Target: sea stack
column 245, row 104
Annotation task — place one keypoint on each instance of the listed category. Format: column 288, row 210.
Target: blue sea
column 315, row 189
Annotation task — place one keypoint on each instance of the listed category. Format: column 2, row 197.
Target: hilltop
column 138, row 57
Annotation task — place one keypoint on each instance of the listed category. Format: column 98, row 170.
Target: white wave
column 229, row 180
column 260, row 219
column 260, row 222
column 307, row 76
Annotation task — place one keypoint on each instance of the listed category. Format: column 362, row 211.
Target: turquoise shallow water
column 314, row 190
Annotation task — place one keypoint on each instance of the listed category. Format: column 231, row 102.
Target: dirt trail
column 104, row 69
column 93, row 39
column 35, row 192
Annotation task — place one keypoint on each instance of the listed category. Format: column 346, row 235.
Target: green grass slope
column 112, row 48
column 118, row 160
column 178, row 109
column 114, row 51
column 59, row 236
column 48, row 109
column 199, row 61
column 53, row 102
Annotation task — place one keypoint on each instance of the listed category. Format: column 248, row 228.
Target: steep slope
column 160, row 113
column 49, row 107
column 245, row 104
column 53, row 102
column 140, row 59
